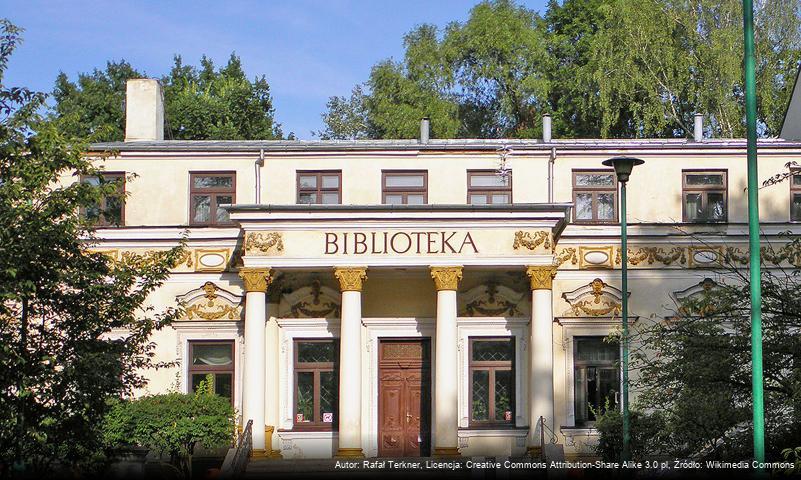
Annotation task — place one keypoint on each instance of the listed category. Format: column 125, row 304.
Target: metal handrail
column 235, row 466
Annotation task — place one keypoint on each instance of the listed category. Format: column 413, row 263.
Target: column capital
column 446, row 278
column 256, row 279
column 350, row 279
column 541, row 276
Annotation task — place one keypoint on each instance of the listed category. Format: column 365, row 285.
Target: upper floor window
column 704, row 194
column 486, row 186
column 795, row 196
column 596, row 375
column 316, row 383
column 110, row 210
column 215, row 360
column 408, row 187
column 323, row 187
column 492, row 380
column 207, row 191
column 595, row 196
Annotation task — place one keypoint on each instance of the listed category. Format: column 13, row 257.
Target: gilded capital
column 541, row 276
column 256, row 279
column 446, row 278
column 351, row 278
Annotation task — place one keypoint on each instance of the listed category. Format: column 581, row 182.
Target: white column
column 253, row 408
column 541, row 395
column 271, row 392
column 446, row 364
column 350, row 362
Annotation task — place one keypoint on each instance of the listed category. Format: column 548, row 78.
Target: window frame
column 102, row 222
column 319, row 190
column 492, row 367
column 213, row 193
column 316, row 368
column 598, row 365
column 211, row 369
column 704, row 190
column 594, row 191
column 794, row 190
column 404, row 192
column 488, row 191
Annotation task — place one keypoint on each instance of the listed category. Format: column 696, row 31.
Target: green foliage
column 61, row 307
column 644, row 431
column 601, row 68
column 199, row 103
column 172, row 424
column 694, row 368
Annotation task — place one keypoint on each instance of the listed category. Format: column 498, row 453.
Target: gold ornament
column 532, row 241
column 446, row 278
column 351, row 278
column 256, row 279
column 541, row 276
column 257, row 243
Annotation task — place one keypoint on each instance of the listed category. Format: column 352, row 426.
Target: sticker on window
column 507, row 415
column 299, row 418
column 328, row 417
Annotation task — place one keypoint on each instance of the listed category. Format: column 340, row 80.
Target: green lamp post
column 623, row 167
column 757, row 378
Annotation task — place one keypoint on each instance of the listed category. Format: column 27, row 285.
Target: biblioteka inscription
column 376, row 243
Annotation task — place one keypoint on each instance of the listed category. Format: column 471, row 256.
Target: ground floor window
column 492, row 381
column 597, row 376
column 316, row 383
column 215, row 358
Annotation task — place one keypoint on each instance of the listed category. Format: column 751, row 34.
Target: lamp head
column 623, row 166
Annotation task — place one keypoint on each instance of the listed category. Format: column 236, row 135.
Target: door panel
column 404, row 398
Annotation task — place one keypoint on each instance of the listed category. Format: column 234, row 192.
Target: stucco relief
column 210, row 302
column 264, row 243
column 596, row 299
column 533, row 240
column 492, row 300
column 312, row 301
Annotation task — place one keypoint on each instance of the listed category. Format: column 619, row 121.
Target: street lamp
column 623, row 167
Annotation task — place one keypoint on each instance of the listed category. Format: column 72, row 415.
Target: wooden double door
column 404, row 398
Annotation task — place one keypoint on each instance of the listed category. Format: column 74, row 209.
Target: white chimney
column 698, row 130
column 425, row 129
column 144, row 110
column 546, row 128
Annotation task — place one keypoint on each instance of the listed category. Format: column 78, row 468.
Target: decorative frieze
column 351, row 279
column 446, row 278
column 675, row 256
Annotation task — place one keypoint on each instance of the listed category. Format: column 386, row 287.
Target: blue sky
column 308, row 49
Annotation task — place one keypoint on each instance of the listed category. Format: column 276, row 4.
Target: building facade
column 423, row 297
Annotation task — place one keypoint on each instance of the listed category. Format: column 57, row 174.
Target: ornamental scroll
column 210, row 302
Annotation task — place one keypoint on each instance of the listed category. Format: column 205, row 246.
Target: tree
column 59, row 302
column 695, row 365
column 172, row 424
column 199, row 103
column 601, row 68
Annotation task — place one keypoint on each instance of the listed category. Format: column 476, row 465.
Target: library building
column 423, row 297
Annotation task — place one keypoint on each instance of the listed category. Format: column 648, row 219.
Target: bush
column 644, row 430
column 172, row 423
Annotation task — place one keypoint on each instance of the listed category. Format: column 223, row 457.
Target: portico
column 429, row 306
